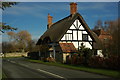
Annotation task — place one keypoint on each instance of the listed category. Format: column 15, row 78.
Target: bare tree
column 11, row 35
column 31, row 47
column 8, row 47
column 23, row 38
column 111, row 45
column 98, row 25
column 114, row 29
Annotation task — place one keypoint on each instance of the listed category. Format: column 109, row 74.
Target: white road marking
column 41, row 70
column 50, row 73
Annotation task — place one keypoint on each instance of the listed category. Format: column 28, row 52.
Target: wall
column 99, row 53
column 75, row 34
column 15, row 54
column 59, row 57
column 64, row 57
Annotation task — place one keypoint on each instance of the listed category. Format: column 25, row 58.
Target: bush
column 50, row 59
column 75, row 59
column 68, row 59
column 33, row 55
column 112, row 62
column 86, row 53
column 80, row 60
column 96, row 61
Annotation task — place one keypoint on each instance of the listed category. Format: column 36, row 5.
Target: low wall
column 14, row 54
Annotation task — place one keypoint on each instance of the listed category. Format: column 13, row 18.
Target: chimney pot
column 73, row 8
column 49, row 20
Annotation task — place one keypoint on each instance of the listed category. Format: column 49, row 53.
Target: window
column 85, row 37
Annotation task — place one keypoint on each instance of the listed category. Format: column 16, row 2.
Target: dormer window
column 85, row 37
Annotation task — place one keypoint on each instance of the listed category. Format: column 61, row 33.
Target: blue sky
column 32, row 16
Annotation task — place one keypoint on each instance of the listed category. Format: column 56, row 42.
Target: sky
column 32, row 16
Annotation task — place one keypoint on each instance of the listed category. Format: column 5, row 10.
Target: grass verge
column 12, row 57
column 3, row 75
column 111, row 73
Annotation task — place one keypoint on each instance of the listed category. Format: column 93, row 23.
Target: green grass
column 111, row 73
column 3, row 75
column 12, row 57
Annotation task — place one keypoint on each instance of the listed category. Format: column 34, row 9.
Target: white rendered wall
column 86, row 44
column 63, row 38
column 79, row 35
column 99, row 53
column 74, row 35
column 72, row 27
column 77, row 25
column 64, row 57
column 75, row 44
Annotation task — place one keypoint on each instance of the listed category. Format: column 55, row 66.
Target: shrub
column 50, row 59
column 112, row 62
column 86, row 53
column 74, row 59
column 80, row 60
column 96, row 61
column 68, row 59
column 33, row 55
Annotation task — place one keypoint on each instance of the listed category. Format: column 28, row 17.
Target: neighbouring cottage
column 65, row 36
column 104, row 36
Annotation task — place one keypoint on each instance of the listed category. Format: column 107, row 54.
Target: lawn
column 111, row 73
column 11, row 57
column 3, row 75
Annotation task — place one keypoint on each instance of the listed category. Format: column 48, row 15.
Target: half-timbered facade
column 77, row 34
column 72, row 29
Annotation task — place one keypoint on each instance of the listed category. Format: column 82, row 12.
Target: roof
column 58, row 29
column 101, row 32
column 102, row 37
column 68, row 47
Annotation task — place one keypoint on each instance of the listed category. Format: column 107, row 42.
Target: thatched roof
column 58, row 29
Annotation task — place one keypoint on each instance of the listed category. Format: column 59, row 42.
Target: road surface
column 19, row 68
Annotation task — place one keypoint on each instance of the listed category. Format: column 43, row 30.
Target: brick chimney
column 73, row 8
column 49, row 20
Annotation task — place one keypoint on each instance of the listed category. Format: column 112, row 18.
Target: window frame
column 86, row 38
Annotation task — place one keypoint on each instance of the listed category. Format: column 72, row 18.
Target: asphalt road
column 19, row 68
